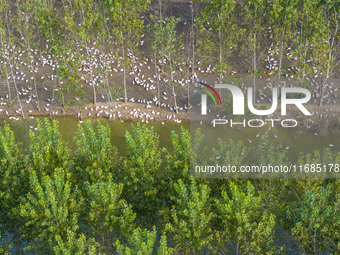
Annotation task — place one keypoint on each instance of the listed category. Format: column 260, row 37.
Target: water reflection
column 295, row 140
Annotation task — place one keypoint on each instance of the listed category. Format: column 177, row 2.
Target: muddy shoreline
column 326, row 117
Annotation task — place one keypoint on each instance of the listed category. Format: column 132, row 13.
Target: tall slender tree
column 127, row 28
column 254, row 13
column 13, row 185
column 50, row 209
column 173, row 44
column 82, row 29
column 219, row 34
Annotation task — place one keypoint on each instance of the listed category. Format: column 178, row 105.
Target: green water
column 298, row 140
column 69, row 125
column 293, row 140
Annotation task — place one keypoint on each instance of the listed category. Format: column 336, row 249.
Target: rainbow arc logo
column 239, row 100
column 209, row 93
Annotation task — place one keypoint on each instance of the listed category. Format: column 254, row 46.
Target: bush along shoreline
column 92, row 200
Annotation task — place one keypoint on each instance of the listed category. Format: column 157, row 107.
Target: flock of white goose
column 27, row 69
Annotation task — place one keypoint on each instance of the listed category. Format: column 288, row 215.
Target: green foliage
column 316, row 221
column 283, row 16
column 179, row 159
column 13, row 183
column 171, row 45
column 197, row 151
column 189, row 226
column 75, row 245
column 56, row 201
column 220, row 33
column 110, row 217
column 10, row 162
column 87, row 208
column 5, row 247
column 163, row 248
column 310, row 39
column 47, row 149
column 231, row 153
column 126, row 27
column 255, row 20
column 96, row 159
column 245, row 224
column 142, row 167
column 50, row 209
column 322, row 157
column 142, row 242
column 171, row 41
column 125, row 19
column 267, row 153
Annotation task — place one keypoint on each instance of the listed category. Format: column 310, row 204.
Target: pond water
column 293, row 140
column 68, row 127
column 298, row 140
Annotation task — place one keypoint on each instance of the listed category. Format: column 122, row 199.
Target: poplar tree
column 172, row 43
column 76, row 245
column 283, row 16
column 13, row 185
column 316, row 221
column 326, row 57
column 50, row 209
column 219, row 34
column 47, row 150
column 95, row 159
column 110, row 218
column 254, row 13
column 309, row 40
column 246, row 227
column 191, row 216
column 157, row 35
column 10, row 54
column 26, row 14
column 143, row 242
column 4, row 8
column 142, row 172
column 127, row 28
column 82, row 29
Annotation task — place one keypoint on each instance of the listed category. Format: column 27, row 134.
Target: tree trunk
column 193, row 39
column 109, row 94
column 94, row 88
column 281, row 49
column 9, row 90
column 63, row 100
column 188, row 110
column 280, row 60
column 322, row 86
column 124, row 77
column 220, row 51
column 158, row 87
column 254, row 69
column 161, row 23
column 34, row 79
column 36, row 93
column 16, row 88
column 91, row 74
column 173, row 85
column 17, row 239
column 322, row 89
